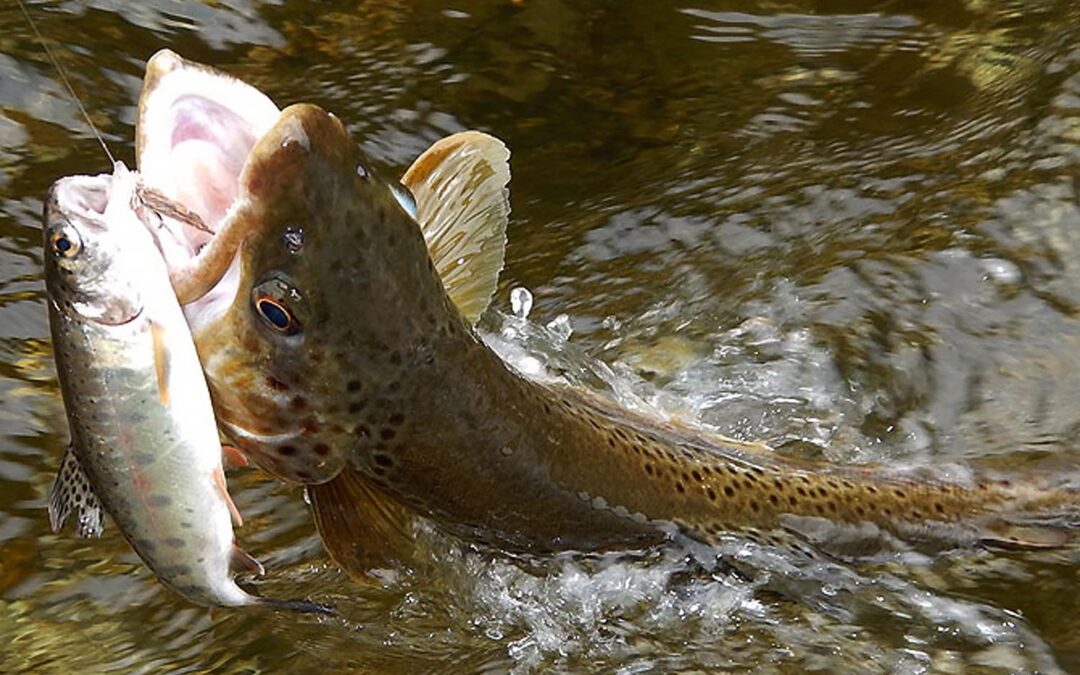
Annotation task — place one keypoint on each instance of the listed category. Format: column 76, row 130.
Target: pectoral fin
column 223, row 488
column 463, row 205
column 72, row 491
column 161, row 361
column 242, row 561
column 361, row 525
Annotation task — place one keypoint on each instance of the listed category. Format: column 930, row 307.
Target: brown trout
column 144, row 442
column 341, row 354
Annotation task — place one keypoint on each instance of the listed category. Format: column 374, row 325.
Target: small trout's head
column 336, row 298
column 86, row 277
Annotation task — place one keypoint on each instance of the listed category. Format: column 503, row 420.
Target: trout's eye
column 65, row 242
column 276, row 315
column 276, row 300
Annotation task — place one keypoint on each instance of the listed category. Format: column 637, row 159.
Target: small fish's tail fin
column 362, row 526
column 298, row 606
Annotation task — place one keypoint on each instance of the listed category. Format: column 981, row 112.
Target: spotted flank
column 71, row 492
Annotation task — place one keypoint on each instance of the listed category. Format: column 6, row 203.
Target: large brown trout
column 144, row 443
column 342, row 358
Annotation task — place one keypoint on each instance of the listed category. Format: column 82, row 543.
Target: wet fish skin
column 434, row 422
column 144, row 440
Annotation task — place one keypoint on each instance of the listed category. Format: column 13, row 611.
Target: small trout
column 144, row 441
column 344, row 356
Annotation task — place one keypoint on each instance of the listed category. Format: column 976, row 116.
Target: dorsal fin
column 463, row 205
column 72, row 491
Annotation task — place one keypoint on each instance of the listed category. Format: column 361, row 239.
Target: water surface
column 849, row 229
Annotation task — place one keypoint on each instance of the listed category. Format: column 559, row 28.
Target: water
column 850, row 230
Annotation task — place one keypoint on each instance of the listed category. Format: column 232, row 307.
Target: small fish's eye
column 64, row 243
column 276, row 315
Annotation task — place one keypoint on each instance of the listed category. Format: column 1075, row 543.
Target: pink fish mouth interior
column 196, row 130
column 208, row 146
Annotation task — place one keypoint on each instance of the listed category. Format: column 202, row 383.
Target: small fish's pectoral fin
column 223, row 487
column 362, row 526
column 463, row 205
column 72, row 491
column 161, row 361
column 242, row 561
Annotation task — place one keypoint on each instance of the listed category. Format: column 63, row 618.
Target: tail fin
column 361, row 525
column 1048, row 519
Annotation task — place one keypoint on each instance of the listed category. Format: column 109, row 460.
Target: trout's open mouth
column 195, row 131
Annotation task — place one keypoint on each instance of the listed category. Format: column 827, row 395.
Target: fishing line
column 63, row 77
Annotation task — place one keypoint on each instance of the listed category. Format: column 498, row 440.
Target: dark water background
column 849, row 228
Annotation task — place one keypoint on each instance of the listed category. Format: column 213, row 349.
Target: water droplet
column 561, row 327
column 521, row 302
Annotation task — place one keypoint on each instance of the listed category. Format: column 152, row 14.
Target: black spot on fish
column 303, row 475
column 353, row 386
column 298, row 403
column 729, row 491
column 287, row 450
column 276, row 384
column 175, row 542
column 397, row 419
column 159, row 500
column 176, row 570
column 321, row 449
column 362, row 431
column 387, row 433
column 357, row 406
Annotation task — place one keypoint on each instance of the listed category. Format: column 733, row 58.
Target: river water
column 850, row 229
